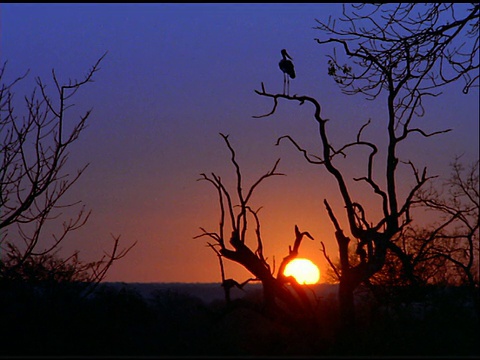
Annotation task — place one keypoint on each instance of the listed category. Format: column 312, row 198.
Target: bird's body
column 286, row 65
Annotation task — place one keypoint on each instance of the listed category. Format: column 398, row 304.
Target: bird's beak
column 288, row 55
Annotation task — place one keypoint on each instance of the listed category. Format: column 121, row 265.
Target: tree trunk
column 347, row 304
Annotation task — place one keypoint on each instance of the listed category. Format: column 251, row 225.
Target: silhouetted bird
column 288, row 70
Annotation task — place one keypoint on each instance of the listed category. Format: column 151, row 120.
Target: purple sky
column 175, row 76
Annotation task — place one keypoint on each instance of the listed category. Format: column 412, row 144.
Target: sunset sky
column 177, row 75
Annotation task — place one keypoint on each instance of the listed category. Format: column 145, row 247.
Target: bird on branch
column 288, row 70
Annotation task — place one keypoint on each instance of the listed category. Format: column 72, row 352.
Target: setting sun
column 303, row 270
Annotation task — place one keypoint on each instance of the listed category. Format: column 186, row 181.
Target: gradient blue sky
column 175, row 76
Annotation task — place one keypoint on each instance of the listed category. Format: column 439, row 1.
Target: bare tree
column 403, row 53
column 282, row 294
column 33, row 181
column 449, row 251
column 444, row 252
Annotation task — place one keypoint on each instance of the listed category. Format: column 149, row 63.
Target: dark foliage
column 53, row 320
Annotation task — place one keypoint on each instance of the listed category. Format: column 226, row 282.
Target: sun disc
column 303, row 270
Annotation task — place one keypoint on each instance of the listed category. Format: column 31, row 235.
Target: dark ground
column 166, row 321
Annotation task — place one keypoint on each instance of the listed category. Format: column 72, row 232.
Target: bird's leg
column 284, row 82
column 288, row 85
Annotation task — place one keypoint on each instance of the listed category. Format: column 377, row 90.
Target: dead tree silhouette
column 34, row 180
column 281, row 295
column 404, row 58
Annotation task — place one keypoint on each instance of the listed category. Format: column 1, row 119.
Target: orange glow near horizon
column 303, row 270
